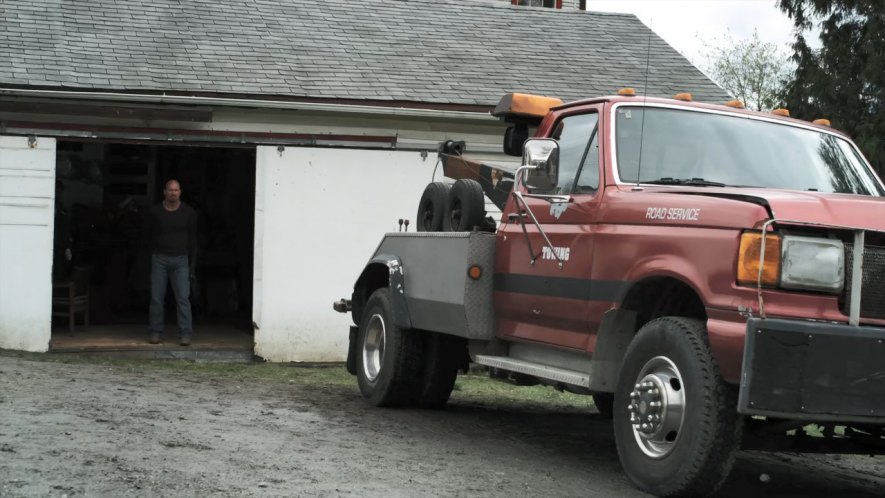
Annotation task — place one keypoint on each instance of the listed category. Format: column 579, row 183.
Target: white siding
column 319, row 215
column 27, row 192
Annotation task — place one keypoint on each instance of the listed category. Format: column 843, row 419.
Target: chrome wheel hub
column 657, row 407
column 373, row 347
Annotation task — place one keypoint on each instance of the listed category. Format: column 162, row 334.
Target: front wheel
column 675, row 419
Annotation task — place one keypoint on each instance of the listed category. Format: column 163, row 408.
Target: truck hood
column 848, row 210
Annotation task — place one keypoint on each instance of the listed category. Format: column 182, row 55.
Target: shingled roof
column 433, row 51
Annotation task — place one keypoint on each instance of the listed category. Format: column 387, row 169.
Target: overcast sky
column 685, row 24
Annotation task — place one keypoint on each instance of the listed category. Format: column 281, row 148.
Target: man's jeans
column 175, row 270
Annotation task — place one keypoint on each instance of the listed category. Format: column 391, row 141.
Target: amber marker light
column 781, row 112
column 737, row 104
column 822, row 122
column 627, row 92
column 474, row 272
column 749, row 259
column 686, row 97
column 524, row 104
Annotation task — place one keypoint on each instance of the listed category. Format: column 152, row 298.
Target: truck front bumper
column 814, row 371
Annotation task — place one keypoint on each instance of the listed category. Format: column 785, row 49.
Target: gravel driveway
column 94, row 429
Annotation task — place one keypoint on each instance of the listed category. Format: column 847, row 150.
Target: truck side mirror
column 541, row 157
column 514, row 138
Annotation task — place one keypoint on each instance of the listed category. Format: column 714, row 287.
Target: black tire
column 393, row 376
column 604, row 403
column 695, row 457
column 432, row 207
column 443, row 357
column 466, row 208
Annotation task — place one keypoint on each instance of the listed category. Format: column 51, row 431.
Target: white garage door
column 319, row 215
column 27, row 191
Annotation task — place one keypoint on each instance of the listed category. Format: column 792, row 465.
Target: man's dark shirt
column 173, row 233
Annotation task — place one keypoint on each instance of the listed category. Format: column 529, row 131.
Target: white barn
column 300, row 130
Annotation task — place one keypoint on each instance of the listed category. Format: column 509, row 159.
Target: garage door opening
column 101, row 262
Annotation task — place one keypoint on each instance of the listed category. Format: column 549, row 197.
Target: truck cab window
column 574, row 134
column 588, row 177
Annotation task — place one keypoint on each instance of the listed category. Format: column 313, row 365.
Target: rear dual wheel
column 443, row 357
column 388, row 359
column 397, row 366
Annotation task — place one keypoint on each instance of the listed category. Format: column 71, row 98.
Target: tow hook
column 342, row 305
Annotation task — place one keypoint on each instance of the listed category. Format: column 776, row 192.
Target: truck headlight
column 812, row 263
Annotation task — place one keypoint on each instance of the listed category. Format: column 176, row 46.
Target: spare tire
column 432, row 207
column 466, row 208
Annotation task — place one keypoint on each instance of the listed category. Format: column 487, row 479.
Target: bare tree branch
column 754, row 72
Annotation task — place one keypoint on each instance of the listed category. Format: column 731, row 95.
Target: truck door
column 536, row 299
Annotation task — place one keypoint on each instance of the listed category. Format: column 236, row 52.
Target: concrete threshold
column 162, row 353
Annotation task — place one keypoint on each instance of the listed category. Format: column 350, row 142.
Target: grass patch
column 480, row 389
column 469, row 388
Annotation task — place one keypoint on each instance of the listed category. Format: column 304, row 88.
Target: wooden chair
column 76, row 299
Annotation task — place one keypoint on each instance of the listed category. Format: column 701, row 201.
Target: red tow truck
column 712, row 276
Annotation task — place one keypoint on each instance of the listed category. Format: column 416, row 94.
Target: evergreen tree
column 844, row 80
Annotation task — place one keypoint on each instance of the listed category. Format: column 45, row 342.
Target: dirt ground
column 98, row 429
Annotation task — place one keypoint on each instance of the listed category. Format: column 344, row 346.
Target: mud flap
column 351, row 350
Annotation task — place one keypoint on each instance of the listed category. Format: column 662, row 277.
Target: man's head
column 172, row 192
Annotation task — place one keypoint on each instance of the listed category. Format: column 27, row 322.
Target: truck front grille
column 872, row 299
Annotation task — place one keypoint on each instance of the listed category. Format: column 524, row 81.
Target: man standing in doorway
column 171, row 230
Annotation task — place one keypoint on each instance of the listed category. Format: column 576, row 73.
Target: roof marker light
column 822, row 122
column 737, row 104
column 627, row 92
column 686, row 97
column 781, row 112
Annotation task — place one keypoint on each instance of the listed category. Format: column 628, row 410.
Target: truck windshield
column 686, row 145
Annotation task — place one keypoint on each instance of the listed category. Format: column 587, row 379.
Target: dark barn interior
column 103, row 191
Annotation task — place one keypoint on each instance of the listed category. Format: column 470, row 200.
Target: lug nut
column 637, row 387
column 634, row 395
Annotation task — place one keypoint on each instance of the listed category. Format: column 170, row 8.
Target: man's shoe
column 185, row 340
column 155, row 339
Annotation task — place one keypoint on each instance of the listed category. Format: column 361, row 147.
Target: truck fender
column 383, row 270
column 615, row 333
